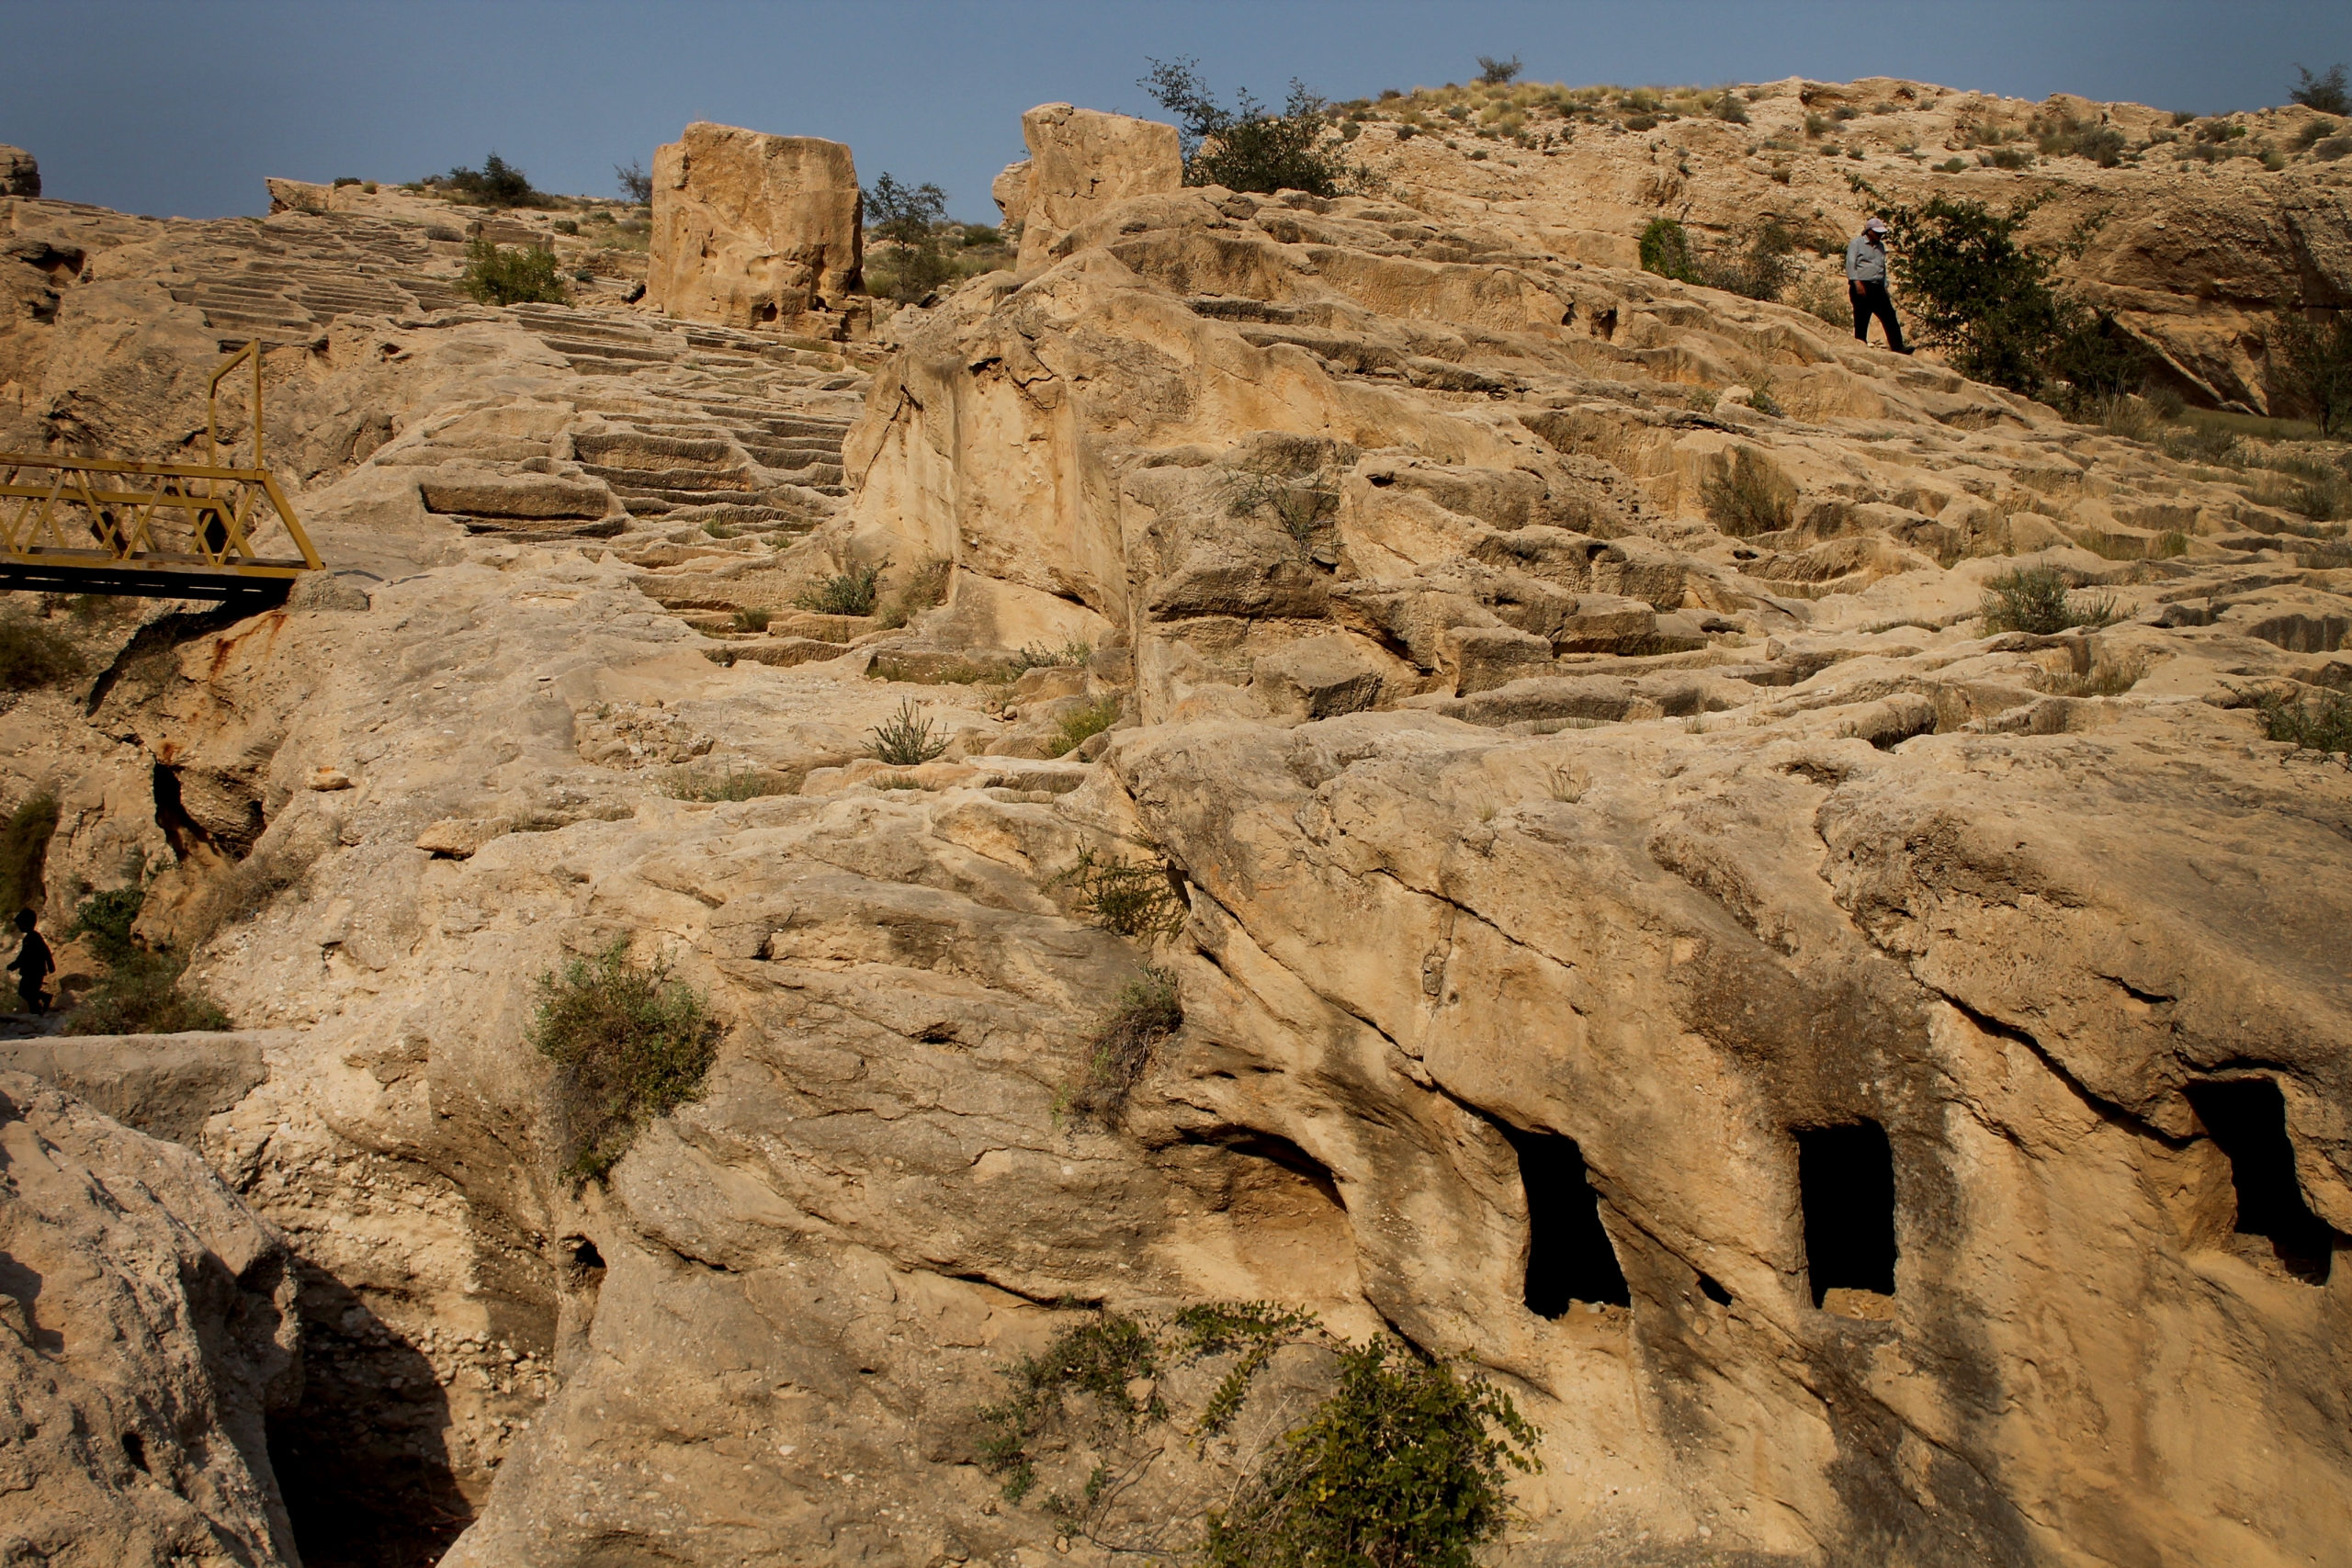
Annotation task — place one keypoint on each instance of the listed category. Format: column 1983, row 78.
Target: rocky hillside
column 1780, row 905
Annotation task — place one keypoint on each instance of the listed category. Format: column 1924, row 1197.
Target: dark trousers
column 28, row 991
column 1869, row 300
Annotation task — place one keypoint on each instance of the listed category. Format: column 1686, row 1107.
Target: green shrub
column 905, row 740
column 755, row 619
column 1406, row 1464
column 1248, row 147
column 1665, row 249
column 141, row 993
column 1729, row 107
column 524, row 274
column 2035, row 599
column 32, row 655
column 910, row 261
column 496, row 184
column 1133, row 899
column 1072, row 654
column 635, row 183
column 1498, row 72
column 925, row 587
column 1147, row 1011
column 1079, row 728
column 629, row 1044
column 1973, row 289
column 1102, row 1359
column 2321, row 725
column 2325, row 93
column 852, row 592
column 2310, row 366
column 24, row 854
column 1748, row 498
column 726, row 781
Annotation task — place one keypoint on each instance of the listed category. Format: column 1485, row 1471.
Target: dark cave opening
column 1569, row 1257
column 2248, row 1121
column 1846, row 1182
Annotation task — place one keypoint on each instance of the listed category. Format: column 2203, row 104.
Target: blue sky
column 181, row 106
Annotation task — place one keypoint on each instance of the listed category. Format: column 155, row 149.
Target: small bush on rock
column 1079, row 728
column 629, row 1044
column 1748, row 498
column 1405, row 1465
column 2035, row 599
column 142, row 993
column 524, row 274
column 1133, row 899
column 2319, row 721
column 496, row 184
column 905, row 739
column 1146, row 1012
column 852, row 592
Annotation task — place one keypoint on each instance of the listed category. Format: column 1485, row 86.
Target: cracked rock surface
column 1581, row 874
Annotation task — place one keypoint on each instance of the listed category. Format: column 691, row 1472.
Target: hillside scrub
column 142, row 993
column 524, row 275
column 1758, row 268
column 2310, row 366
column 33, row 655
column 1971, row 288
column 912, row 260
column 1250, row 147
column 496, row 184
column 24, row 852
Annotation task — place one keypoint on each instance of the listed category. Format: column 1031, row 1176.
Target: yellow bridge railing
column 160, row 530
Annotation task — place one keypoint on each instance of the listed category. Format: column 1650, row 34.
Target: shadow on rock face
column 363, row 1462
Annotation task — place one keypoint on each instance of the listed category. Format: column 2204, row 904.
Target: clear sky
column 181, row 106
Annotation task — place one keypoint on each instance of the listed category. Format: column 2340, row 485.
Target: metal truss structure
column 155, row 530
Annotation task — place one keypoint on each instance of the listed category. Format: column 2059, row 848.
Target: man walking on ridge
column 1866, row 281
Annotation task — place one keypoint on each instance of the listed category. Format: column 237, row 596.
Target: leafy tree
column 1403, row 1467
column 498, row 276
column 2326, row 94
column 909, row 220
column 1498, row 72
column 2310, row 364
column 496, row 184
column 1971, row 287
column 1248, row 147
column 636, row 183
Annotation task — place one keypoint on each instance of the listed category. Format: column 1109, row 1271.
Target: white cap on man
column 1875, row 226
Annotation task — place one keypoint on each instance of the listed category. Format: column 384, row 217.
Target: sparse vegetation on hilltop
column 496, row 184
column 1250, row 147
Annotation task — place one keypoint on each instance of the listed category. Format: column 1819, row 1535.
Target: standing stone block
column 752, row 230
column 1081, row 161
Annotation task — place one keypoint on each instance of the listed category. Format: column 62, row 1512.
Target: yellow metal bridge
column 155, row 530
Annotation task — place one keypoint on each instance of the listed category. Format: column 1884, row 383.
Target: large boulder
column 147, row 1327
column 751, row 230
column 1082, row 161
column 20, row 175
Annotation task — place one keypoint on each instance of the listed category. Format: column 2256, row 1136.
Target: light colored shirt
column 1865, row 263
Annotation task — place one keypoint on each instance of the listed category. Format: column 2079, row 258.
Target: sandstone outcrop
column 752, row 230
column 147, row 1323
column 1871, row 1086
column 2191, row 253
column 1081, row 162
column 19, row 174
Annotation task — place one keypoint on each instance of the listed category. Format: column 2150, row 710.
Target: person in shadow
column 33, row 963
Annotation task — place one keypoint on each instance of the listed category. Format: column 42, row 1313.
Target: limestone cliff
column 1870, row 1084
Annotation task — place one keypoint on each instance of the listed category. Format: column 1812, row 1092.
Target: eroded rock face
column 19, row 174
column 752, row 230
column 148, row 1329
column 1080, row 162
column 1640, row 929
